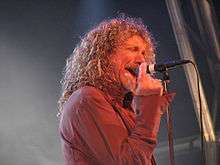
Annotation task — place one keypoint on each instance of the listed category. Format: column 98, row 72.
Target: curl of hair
column 89, row 63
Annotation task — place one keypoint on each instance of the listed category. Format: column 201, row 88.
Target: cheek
column 124, row 57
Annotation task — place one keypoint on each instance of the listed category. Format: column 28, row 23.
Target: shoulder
column 86, row 99
column 87, row 93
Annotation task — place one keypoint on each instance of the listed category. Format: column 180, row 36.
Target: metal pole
column 186, row 52
column 166, row 80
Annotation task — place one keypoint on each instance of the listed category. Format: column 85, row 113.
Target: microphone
column 160, row 67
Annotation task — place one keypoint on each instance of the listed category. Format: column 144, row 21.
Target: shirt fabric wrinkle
column 92, row 132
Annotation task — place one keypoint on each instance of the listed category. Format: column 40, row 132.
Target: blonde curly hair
column 89, row 63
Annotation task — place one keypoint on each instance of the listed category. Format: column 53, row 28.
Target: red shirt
column 95, row 132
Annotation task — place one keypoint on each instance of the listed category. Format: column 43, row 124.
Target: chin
column 128, row 81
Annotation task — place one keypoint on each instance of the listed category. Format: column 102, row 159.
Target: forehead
column 137, row 41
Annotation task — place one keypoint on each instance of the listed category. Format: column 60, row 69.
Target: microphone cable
column 200, row 114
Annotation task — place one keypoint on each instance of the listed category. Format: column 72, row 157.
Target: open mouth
column 132, row 70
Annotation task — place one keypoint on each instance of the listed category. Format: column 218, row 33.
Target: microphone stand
column 166, row 80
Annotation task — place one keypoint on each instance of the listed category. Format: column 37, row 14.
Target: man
column 99, row 123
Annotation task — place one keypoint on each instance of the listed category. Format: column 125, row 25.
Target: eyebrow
column 135, row 46
column 131, row 45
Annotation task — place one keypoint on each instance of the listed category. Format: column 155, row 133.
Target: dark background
column 35, row 39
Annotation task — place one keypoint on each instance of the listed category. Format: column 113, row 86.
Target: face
column 131, row 54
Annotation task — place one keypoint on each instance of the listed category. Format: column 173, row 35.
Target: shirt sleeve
column 103, row 139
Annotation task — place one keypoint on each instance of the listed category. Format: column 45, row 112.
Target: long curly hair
column 89, row 63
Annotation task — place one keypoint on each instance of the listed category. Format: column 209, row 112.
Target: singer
column 108, row 115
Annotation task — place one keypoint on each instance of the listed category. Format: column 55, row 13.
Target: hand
column 146, row 85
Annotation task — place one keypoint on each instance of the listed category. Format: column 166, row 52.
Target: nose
column 139, row 58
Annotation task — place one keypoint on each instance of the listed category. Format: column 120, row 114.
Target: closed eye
column 133, row 49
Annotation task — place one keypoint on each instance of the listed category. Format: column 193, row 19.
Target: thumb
column 142, row 69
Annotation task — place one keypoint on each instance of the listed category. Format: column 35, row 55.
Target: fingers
column 143, row 74
column 147, row 85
